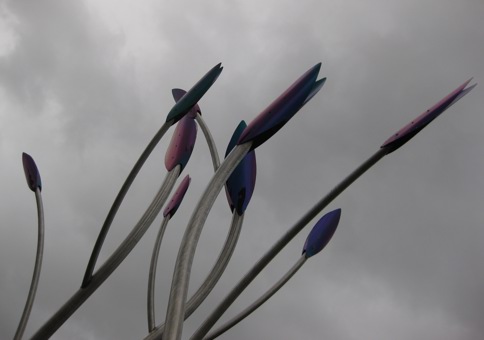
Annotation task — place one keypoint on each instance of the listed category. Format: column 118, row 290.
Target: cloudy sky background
column 85, row 85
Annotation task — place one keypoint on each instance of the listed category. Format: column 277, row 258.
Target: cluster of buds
column 237, row 173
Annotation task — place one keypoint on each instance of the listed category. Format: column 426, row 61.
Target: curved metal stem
column 282, row 242
column 224, row 256
column 119, row 199
column 37, row 267
column 178, row 293
column 152, row 276
column 219, row 267
column 215, row 273
column 257, row 303
column 211, row 144
column 112, row 262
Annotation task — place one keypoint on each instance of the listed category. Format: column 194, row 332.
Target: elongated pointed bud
column 415, row 126
column 321, row 233
column 193, row 96
column 240, row 185
column 181, row 144
column 177, row 198
column 178, row 94
column 281, row 110
column 32, row 174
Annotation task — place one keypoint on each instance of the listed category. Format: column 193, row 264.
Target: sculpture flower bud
column 177, row 198
column 321, row 233
column 181, row 144
column 415, row 126
column 278, row 113
column 178, row 94
column 240, row 185
column 32, row 174
column 194, row 95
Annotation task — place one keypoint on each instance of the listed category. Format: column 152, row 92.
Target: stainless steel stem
column 191, row 304
column 178, row 293
column 226, row 253
column 37, row 267
column 213, row 277
column 119, row 199
column 219, row 266
column 211, row 144
column 112, row 262
column 257, row 303
column 282, row 242
column 152, row 275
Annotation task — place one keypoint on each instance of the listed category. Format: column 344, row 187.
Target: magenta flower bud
column 181, row 144
column 177, row 198
column 281, row 110
column 415, row 126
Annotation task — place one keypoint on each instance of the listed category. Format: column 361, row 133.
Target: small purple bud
column 321, row 233
column 177, row 198
column 31, row 172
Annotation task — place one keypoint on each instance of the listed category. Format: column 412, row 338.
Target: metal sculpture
column 317, row 239
column 32, row 176
column 237, row 173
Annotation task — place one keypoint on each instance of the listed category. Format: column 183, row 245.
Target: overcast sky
column 84, row 85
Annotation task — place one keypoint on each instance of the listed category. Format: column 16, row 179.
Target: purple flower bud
column 31, row 172
column 177, row 198
column 240, row 185
column 277, row 114
column 321, row 233
column 181, row 144
column 415, row 126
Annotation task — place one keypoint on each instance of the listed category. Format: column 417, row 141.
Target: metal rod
column 282, row 242
column 219, row 267
column 152, row 275
column 179, row 287
column 119, row 199
column 257, row 303
column 37, row 267
column 213, row 277
column 224, row 257
column 112, row 262
column 211, row 144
